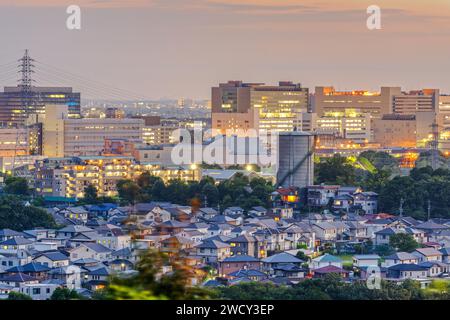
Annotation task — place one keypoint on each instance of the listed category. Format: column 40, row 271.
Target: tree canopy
column 150, row 284
column 403, row 242
column 238, row 191
column 17, row 215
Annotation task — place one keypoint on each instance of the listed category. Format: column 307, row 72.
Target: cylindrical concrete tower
column 295, row 159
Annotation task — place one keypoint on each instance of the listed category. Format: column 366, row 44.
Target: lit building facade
column 68, row 177
column 280, row 108
column 14, row 142
column 231, row 110
column 396, row 130
column 65, row 137
column 239, row 107
column 426, row 100
column 351, row 125
column 327, row 99
column 16, row 106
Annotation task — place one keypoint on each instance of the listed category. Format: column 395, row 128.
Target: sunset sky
column 175, row 48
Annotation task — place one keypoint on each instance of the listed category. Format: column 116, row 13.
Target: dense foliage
column 65, row 294
column 18, row 215
column 16, row 186
column 149, row 284
column 331, row 288
column 403, row 242
column 421, row 186
column 238, row 191
column 378, row 172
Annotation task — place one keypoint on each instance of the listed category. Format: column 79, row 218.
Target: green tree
column 158, row 191
column 149, row 284
column 336, row 170
column 16, row 186
column 18, row 296
column 128, row 190
column 383, row 250
column 211, row 193
column 403, row 242
column 90, row 194
column 65, row 294
column 19, row 216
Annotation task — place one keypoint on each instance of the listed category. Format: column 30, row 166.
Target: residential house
column 325, row 231
column 38, row 291
column 445, row 254
column 430, row 227
column 250, row 274
column 90, row 250
column 428, row 254
column 331, row 269
column 53, row 259
column 366, row 260
column 434, row 268
column 400, row 258
column 406, row 271
column 322, row 195
column 33, row 269
column 343, row 203
column 278, row 260
column 6, row 234
column 238, row 262
column 325, row 260
column 176, row 244
column 248, row 245
column 213, row 250
column 367, row 201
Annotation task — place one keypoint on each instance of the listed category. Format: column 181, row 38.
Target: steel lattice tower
column 26, row 69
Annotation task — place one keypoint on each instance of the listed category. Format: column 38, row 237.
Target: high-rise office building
column 388, row 100
column 280, row 108
column 238, row 107
column 17, row 105
column 231, row 110
column 327, row 99
column 425, row 100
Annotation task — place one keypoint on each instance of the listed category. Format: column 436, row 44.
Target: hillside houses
column 237, row 246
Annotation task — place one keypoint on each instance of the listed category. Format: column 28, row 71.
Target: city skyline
column 183, row 48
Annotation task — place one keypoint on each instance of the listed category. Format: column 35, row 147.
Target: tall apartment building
column 65, row 137
column 158, row 132
column 238, row 107
column 68, row 177
column 16, row 105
